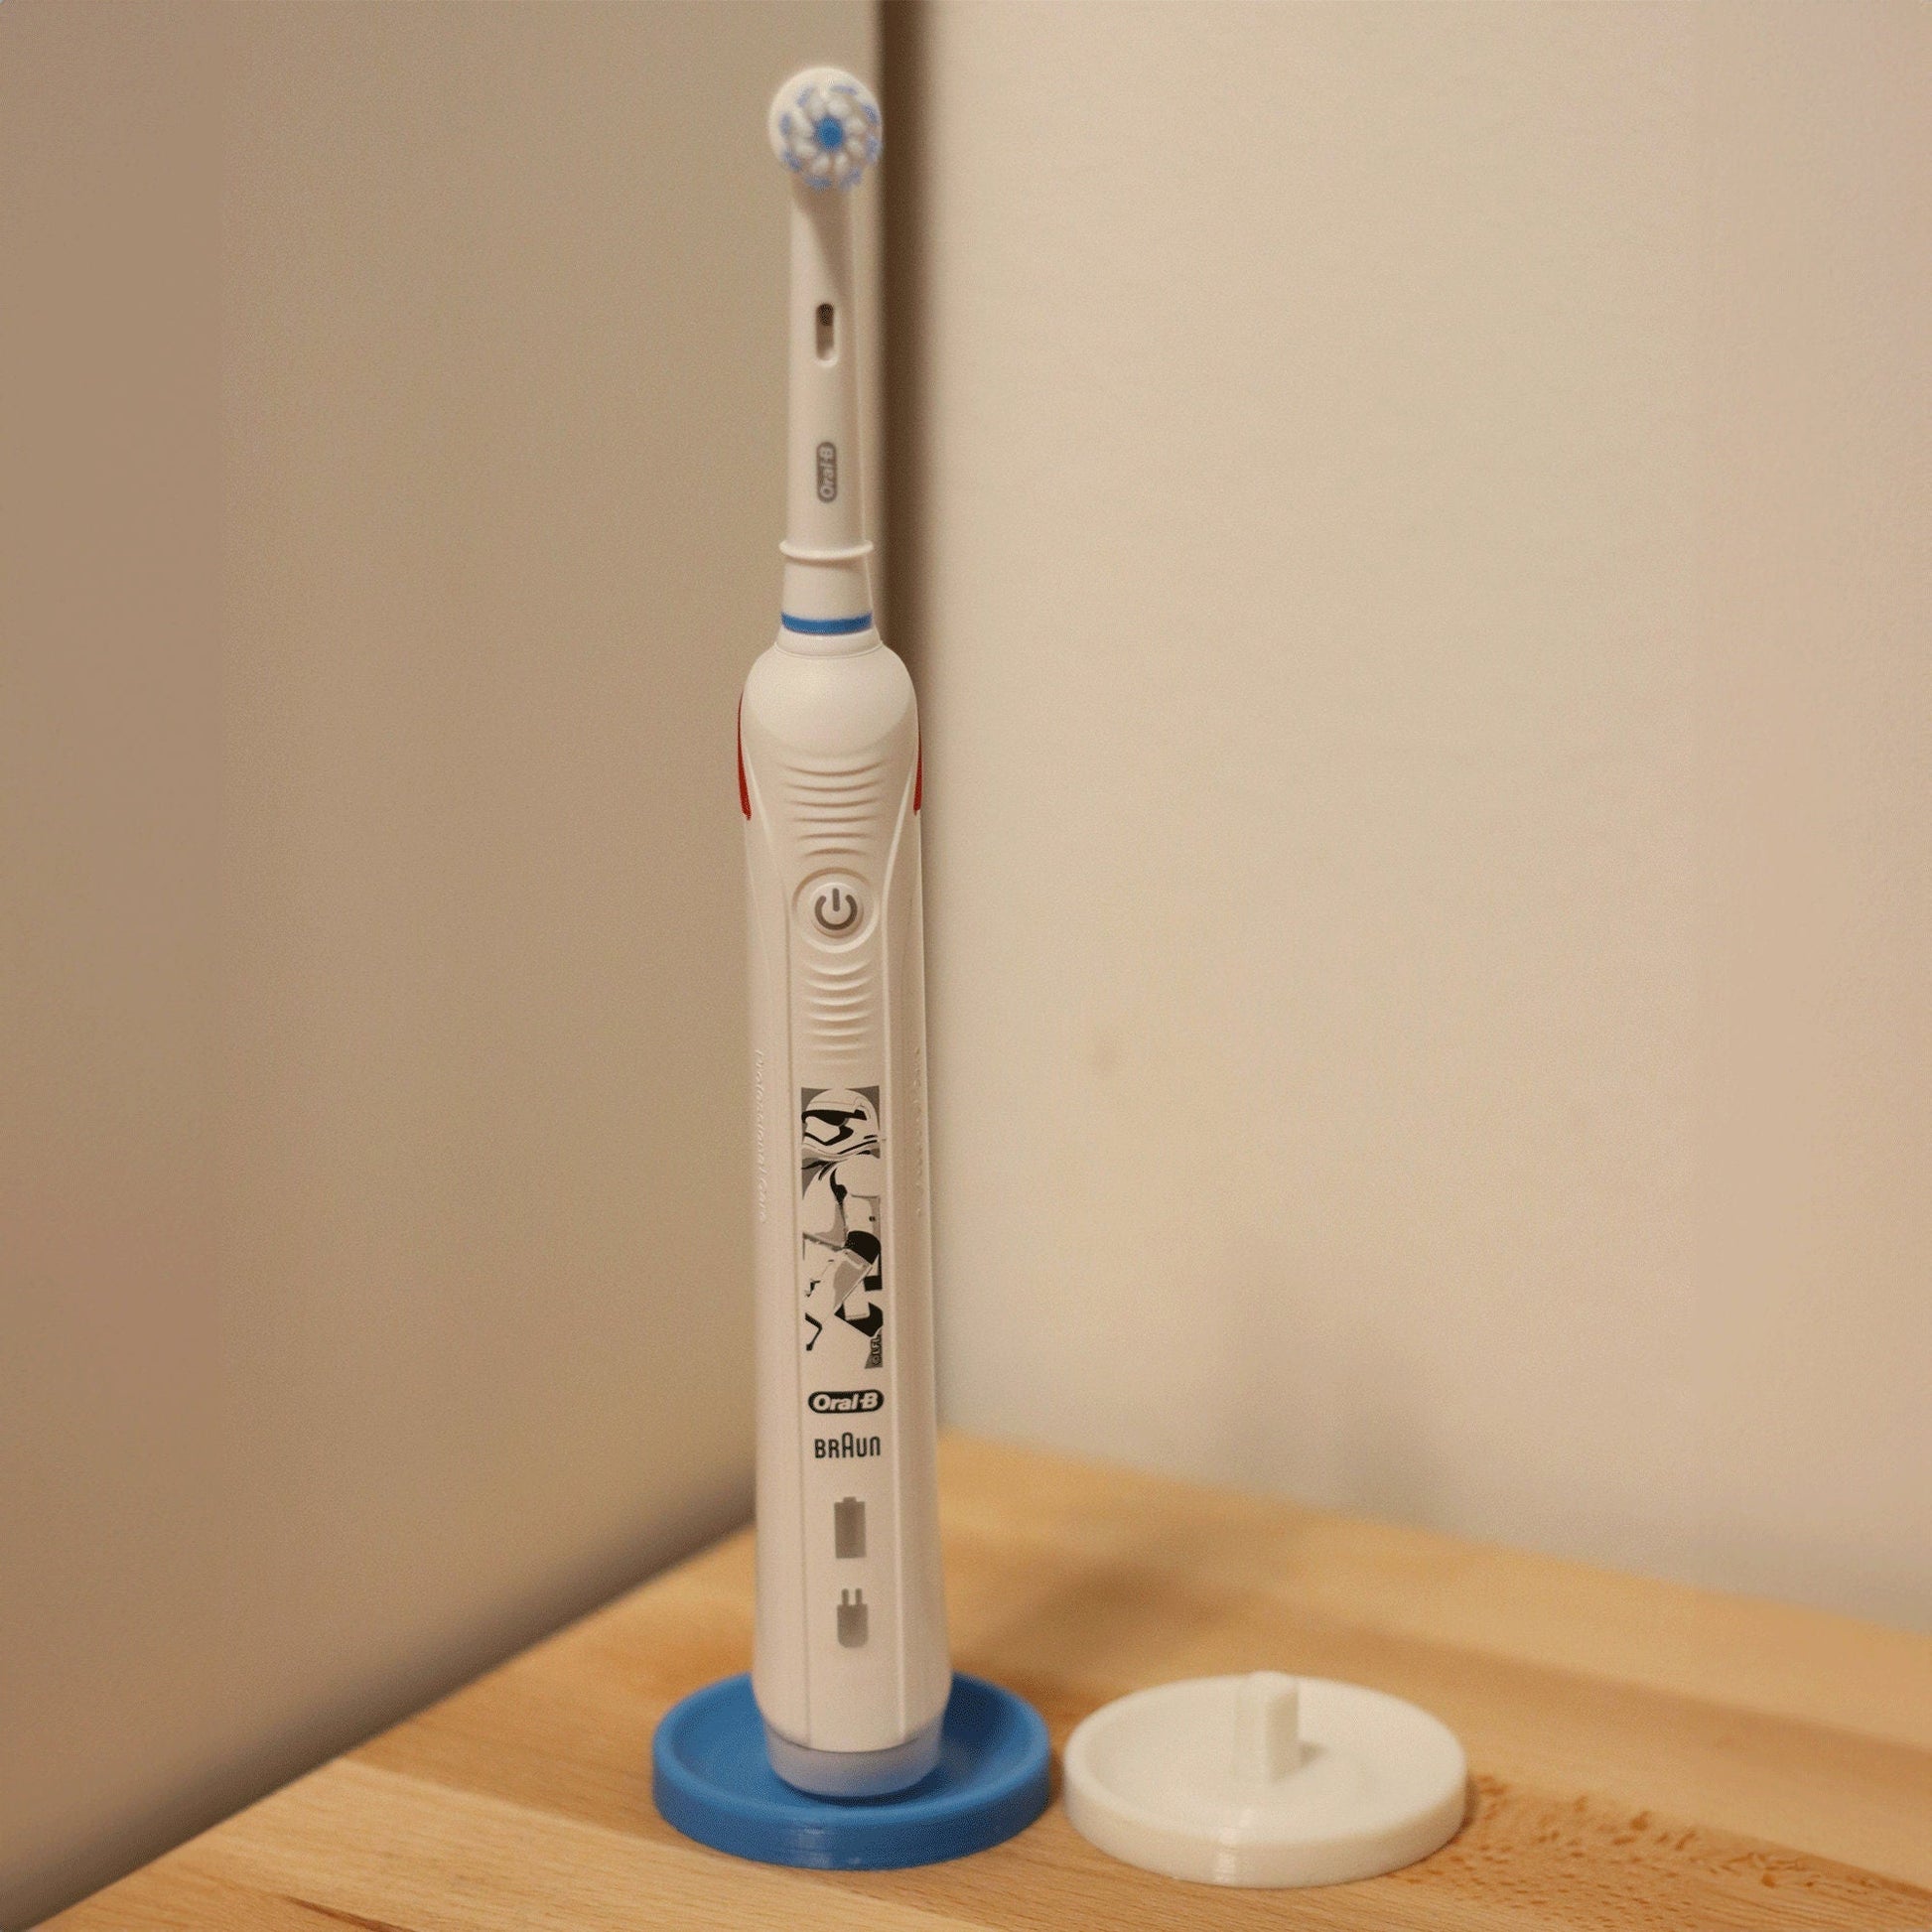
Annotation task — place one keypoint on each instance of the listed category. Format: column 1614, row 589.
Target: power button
column 834, row 908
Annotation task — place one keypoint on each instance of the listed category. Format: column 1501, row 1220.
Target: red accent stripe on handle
column 743, row 791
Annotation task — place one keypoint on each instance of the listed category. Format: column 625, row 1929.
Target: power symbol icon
column 835, row 910
column 832, row 908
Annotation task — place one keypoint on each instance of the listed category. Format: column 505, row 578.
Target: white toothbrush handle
column 851, row 1668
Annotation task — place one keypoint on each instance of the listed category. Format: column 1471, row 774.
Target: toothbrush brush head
column 824, row 126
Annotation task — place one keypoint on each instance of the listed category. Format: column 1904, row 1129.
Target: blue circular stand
column 711, row 1778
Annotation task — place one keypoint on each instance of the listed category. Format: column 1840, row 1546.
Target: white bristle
column 824, row 125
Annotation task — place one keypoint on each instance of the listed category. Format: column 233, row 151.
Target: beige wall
column 388, row 398
column 1423, row 616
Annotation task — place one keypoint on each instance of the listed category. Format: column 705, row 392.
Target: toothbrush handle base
column 853, row 1774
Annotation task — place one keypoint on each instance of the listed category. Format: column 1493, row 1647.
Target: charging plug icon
column 853, row 1618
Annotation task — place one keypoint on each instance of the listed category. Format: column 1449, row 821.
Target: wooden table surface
column 1643, row 1755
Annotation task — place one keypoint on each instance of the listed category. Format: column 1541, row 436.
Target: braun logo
column 828, row 473
column 844, row 1402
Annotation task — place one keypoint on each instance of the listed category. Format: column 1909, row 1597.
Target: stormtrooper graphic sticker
column 842, row 1174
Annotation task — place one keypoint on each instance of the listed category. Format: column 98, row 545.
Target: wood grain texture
column 1644, row 1756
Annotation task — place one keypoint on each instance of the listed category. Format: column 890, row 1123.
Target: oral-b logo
column 828, row 473
column 844, row 1402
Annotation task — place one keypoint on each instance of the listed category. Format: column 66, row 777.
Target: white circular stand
column 1264, row 1781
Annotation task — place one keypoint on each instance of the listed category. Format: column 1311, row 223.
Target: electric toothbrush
column 851, row 1671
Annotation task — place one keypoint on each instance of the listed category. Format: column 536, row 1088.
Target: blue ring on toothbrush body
column 824, row 626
